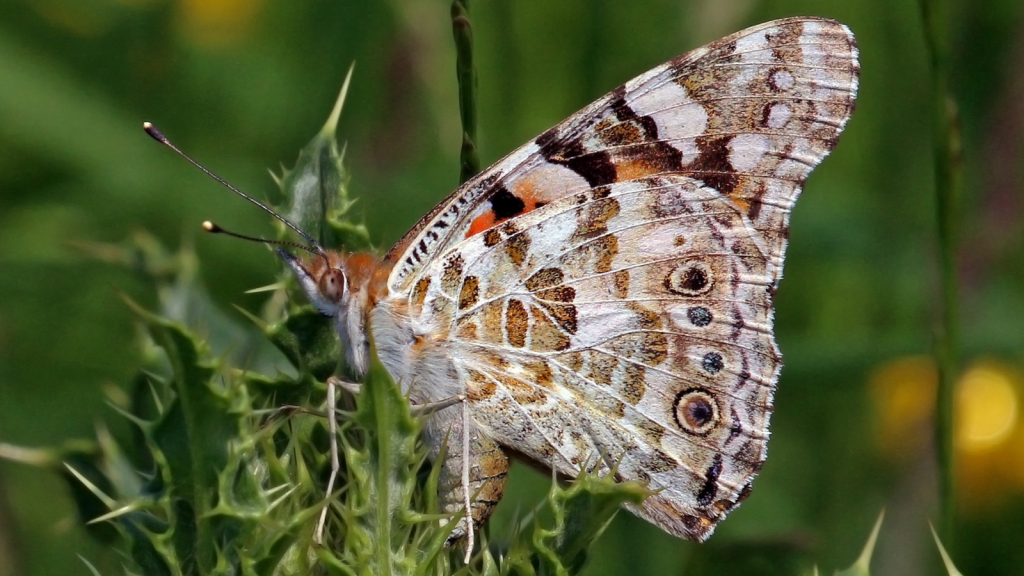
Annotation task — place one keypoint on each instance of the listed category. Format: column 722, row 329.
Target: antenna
column 215, row 229
column 317, row 249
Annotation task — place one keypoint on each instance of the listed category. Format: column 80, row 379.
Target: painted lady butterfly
column 602, row 296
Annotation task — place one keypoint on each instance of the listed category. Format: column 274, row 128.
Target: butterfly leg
column 353, row 388
column 431, row 407
column 333, row 384
column 427, row 409
column 450, row 504
column 472, row 478
column 332, row 420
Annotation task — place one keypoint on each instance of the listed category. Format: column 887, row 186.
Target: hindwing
column 619, row 327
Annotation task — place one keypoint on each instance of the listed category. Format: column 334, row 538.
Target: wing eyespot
column 691, row 278
column 699, row 316
column 712, row 363
column 696, row 411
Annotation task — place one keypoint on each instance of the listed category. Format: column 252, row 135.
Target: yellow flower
column 217, row 22
column 988, row 429
column 989, row 433
column 987, row 408
column 903, row 393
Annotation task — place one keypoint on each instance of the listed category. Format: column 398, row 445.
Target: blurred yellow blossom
column 988, row 432
column 903, row 393
column 213, row 23
column 208, row 23
column 986, row 407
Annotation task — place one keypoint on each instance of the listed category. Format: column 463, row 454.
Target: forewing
column 748, row 115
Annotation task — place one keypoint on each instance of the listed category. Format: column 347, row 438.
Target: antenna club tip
column 211, row 227
column 152, row 131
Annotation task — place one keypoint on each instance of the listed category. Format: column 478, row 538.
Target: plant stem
column 469, row 164
column 947, row 151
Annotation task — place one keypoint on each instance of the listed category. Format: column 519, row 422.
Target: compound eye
column 333, row 285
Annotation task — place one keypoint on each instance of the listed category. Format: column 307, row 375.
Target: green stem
column 470, row 159
column 948, row 171
column 383, row 482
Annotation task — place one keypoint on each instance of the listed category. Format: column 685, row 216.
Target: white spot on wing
column 679, row 117
column 747, row 150
column 751, row 43
column 752, row 49
column 545, row 183
column 782, row 79
column 779, row 115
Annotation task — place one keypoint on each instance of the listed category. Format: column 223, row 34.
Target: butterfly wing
column 627, row 329
column 750, row 115
column 604, row 292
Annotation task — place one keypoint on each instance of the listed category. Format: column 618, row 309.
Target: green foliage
column 316, row 191
column 948, row 165
column 469, row 157
column 579, row 515
column 947, row 562
column 243, row 83
column 862, row 566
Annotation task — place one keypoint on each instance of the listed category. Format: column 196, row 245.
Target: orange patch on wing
column 481, row 223
column 633, row 169
column 420, row 291
column 525, row 191
column 742, row 204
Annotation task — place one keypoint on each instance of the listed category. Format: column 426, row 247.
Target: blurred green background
column 243, row 84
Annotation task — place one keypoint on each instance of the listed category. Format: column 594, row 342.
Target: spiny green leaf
column 862, row 567
column 946, row 560
column 382, row 456
column 141, row 545
column 580, row 514
column 315, row 189
column 308, row 340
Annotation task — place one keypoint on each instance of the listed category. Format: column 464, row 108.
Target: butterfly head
column 344, row 287
column 338, row 285
column 323, row 279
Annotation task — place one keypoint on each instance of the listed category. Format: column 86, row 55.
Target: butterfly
column 601, row 298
